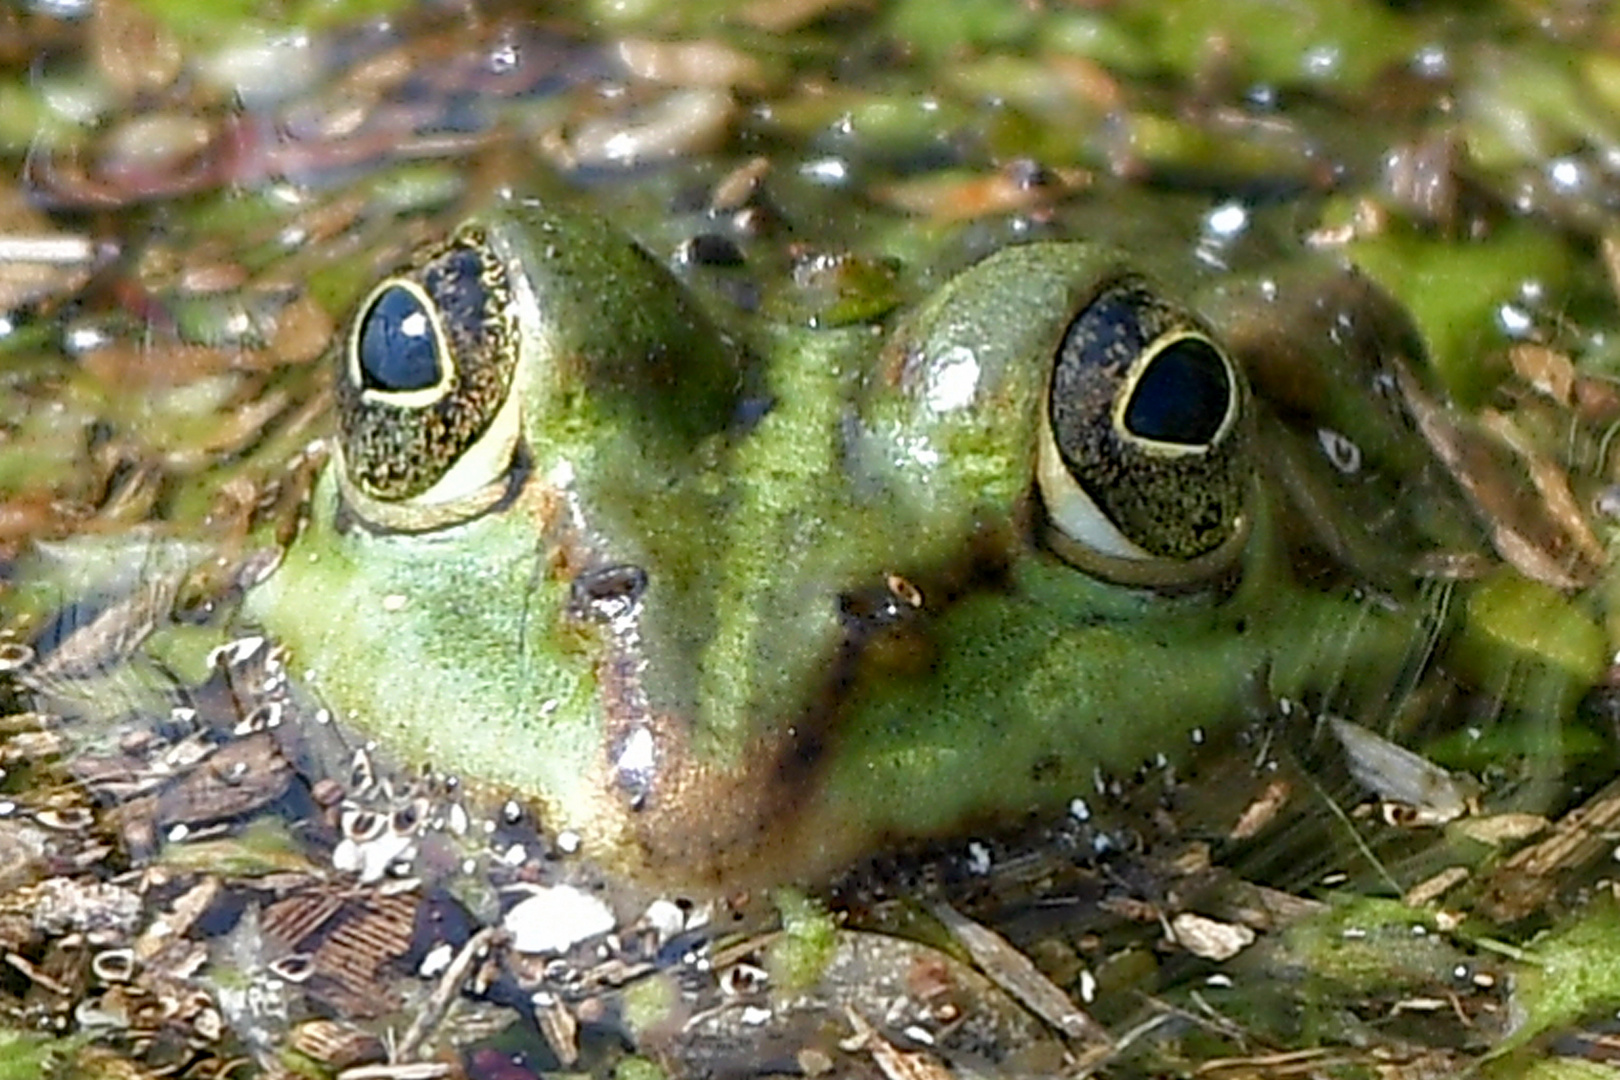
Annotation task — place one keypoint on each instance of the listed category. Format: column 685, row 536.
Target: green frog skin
column 737, row 601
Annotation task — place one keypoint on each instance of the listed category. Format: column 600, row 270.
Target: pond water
column 1343, row 806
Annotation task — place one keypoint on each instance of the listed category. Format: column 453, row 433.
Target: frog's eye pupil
column 1143, row 468
column 1184, row 395
column 398, row 349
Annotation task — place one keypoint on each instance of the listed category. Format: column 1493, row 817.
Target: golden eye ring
column 427, row 404
column 1143, row 460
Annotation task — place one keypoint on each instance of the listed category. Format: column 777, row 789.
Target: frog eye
column 1143, row 463
column 399, row 343
column 425, row 416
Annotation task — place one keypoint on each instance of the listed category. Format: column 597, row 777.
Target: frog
column 733, row 599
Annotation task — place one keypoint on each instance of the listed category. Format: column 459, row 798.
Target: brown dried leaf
column 1209, row 938
column 112, row 636
column 1500, row 829
column 1015, row 973
column 133, row 52
column 349, row 936
column 303, row 330
column 1393, row 772
column 953, row 197
column 691, row 63
column 684, row 122
column 1537, row 528
column 737, row 188
column 1551, row 372
column 1262, row 810
column 131, row 364
column 1433, row 888
column 240, row 777
column 1523, row 885
column 894, row 1063
column 336, row 1045
column 1552, row 483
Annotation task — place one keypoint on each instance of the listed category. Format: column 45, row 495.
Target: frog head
column 732, row 598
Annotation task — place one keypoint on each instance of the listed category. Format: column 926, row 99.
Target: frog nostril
column 607, row 593
column 398, row 345
column 864, row 611
column 710, row 249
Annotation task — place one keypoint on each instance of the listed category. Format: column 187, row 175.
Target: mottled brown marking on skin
column 755, row 819
column 547, row 509
column 702, row 822
column 567, row 552
column 896, row 362
column 758, row 825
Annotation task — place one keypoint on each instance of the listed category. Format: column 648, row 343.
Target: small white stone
column 346, row 856
column 437, row 959
column 372, row 858
column 555, row 919
column 665, row 917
